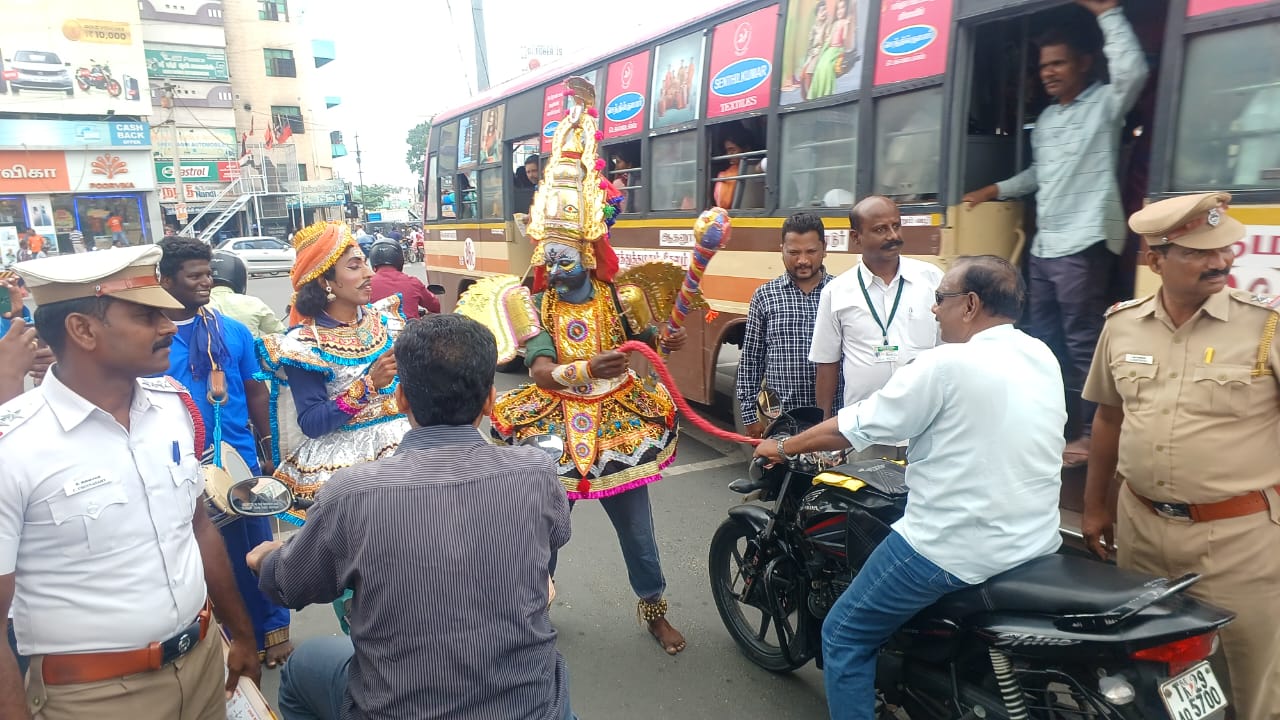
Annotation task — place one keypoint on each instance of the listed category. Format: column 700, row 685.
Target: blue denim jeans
column 632, row 516
column 894, row 585
column 313, row 682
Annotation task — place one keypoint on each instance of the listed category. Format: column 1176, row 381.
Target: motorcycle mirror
column 552, row 445
column 259, row 497
column 436, row 289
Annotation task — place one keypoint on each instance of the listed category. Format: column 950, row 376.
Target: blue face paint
column 566, row 274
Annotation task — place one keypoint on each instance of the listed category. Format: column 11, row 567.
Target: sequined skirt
column 317, row 459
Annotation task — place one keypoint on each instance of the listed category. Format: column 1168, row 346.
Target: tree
column 374, row 197
column 417, row 142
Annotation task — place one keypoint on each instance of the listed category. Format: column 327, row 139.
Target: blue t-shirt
column 242, row 366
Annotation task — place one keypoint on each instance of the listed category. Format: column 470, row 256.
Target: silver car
column 262, row 255
column 34, row 70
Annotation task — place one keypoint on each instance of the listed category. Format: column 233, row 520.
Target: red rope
column 663, row 372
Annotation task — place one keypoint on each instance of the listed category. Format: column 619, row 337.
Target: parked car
column 262, row 254
column 36, row 70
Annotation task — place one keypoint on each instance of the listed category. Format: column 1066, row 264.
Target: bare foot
column 670, row 638
column 277, row 654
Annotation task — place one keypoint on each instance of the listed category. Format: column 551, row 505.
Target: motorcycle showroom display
column 1062, row 636
column 98, row 75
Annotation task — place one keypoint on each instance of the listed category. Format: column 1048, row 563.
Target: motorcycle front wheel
column 757, row 631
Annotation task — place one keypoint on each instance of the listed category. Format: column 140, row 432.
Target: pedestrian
column 774, row 365
column 1080, row 220
column 984, row 414
column 876, row 318
column 228, row 296
column 103, row 535
column 1188, row 419
column 473, row 611
column 115, row 224
column 77, row 239
column 389, row 278
column 212, row 351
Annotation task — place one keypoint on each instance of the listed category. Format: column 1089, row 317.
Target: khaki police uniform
column 1199, row 446
column 96, row 527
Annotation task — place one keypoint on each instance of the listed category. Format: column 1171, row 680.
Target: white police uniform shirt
column 984, row 466
column 96, row 520
column 845, row 329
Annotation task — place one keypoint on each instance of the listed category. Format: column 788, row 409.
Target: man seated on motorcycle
column 984, row 415
column 387, row 260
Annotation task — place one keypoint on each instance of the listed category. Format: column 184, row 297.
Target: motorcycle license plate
column 1193, row 695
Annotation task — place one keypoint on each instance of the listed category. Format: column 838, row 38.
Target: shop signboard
column 321, row 193
column 913, row 39
column 625, row 100
column 194, row 94
column 29, row 171
column 62, row 134
column 192, row 193
column 187, row 63
column 199, row 171
column 191, row 13
column 198, row 143
column 741, row 66
column 73, row 57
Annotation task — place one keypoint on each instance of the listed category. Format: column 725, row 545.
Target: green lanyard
column 884, row 326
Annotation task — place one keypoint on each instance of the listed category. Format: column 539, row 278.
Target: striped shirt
column 775, row 346
column 1074, row 146
column 446, row 545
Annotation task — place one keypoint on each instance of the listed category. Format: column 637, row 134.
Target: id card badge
column 886, row 353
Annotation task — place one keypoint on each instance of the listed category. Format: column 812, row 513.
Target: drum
column 218, row 482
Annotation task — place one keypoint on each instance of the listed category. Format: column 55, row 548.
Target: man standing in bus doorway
column 1079, row 216
column 780, row 319
column 875, row 318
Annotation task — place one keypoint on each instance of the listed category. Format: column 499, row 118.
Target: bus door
column 997, row 110
column 527, row 166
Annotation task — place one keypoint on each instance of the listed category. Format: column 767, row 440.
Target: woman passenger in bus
column 736, row 142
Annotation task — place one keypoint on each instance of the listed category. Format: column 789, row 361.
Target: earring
column 330, row 297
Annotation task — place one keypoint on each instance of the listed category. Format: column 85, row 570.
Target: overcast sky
column 401, row 61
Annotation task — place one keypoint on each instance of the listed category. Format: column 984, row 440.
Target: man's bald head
column 867, row 207
column 996, row 282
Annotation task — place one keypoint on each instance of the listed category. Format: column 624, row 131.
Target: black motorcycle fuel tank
column 851, row 507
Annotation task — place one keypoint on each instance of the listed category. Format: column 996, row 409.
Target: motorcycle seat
column 1051, row 585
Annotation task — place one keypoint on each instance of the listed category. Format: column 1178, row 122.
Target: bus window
column 625, row 172
column 467, row 201
column 737, row 164
column 675, row 172
column 908, row 145
column 527, row 170
column 819, row 157
column 433, row 197
column 491, row 192
column 447, row 167
column 1228, row 135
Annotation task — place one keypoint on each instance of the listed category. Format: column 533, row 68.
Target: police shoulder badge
column 1126, row 304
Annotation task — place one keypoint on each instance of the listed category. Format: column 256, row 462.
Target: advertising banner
column 677, row 75
column 555, row 103
column 93, row 170
column 191, row 193
column 28, row 171
column 320, row 193
column 1201, row 7
column 194, row 13
column 467, row 141
column 65, row 56
column 199, row 171
column 913, row 40
column 741, row 68
column 195, row 94
column 625, row 89
column 822, row 49
column 491, row 138
column 59, row 134
column 187, row 63
column 197, row 143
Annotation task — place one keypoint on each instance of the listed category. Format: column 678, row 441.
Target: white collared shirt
column 984, row 466
column 96, row 520
column 845, row 329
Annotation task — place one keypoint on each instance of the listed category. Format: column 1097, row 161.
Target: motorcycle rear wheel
column 730, row 547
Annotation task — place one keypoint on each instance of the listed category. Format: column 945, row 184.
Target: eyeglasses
column 938, row 297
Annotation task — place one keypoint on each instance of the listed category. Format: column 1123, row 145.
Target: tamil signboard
column 625, row 88
column 62, row 134
column 198, row 143
column 323, row 193
column 740, row 63
column 186, row 63
column 199, row 171
column 191, row 193
column 67, row 57
column 30, row 171
column 913, row 39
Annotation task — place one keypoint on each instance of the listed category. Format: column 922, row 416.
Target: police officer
column 1187, row 426
column 104, row 542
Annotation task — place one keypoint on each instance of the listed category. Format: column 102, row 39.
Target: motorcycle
column 98, row 75
column 1062, row 636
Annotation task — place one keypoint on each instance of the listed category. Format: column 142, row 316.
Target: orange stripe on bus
column 495, row 265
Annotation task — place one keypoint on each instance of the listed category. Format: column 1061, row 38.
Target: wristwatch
column 783, row 453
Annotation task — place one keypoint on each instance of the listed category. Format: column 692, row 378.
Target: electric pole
column 364, row 215
column 482, row 55
column 180, row 210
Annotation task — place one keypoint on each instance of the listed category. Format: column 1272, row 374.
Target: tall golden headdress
column 575, row 203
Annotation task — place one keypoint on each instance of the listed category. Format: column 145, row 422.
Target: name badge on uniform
column 886, row 353
column 1140, row 359
column 75, row 487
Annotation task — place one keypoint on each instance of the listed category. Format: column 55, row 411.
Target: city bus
column 774, row 107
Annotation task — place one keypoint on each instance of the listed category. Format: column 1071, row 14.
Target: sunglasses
column 938, row 297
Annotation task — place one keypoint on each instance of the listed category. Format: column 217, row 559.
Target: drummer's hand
column 673, row 340
column 257, row 555
column 383, row 371
column 608, row 365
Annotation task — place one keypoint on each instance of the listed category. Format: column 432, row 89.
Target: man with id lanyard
column 876, row 317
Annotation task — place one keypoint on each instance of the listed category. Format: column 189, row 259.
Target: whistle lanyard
column 884, row 326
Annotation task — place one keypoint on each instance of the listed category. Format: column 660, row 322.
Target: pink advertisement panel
column 741, row 63
column 913, row 40
column 625, row 96
column 552, row 112
column 1201, row 7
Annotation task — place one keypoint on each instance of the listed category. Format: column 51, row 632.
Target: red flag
column 271, row 138
column 285, row 132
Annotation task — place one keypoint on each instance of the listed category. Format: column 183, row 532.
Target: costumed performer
column 334, row 364
column 619, row 431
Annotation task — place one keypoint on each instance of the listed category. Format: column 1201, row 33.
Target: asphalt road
column 616, row 670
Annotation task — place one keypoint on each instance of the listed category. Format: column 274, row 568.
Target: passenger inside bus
column 739, row 159
column 467, row 200
column 625, row 173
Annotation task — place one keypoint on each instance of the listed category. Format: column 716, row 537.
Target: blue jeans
column 632, row 516
column 894, row 585
column 313, row 682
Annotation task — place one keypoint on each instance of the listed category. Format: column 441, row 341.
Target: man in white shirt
column 984, row 414
column 875, row 318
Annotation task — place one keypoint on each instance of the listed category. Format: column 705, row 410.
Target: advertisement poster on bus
column 1202, row 7
column 677, row 71
column 491, row 137
column 822, row 49
column 740, row 63
column 625, row 96
column 67, row 57
column 467, row 141
column 1257, row 260
column 556, row 102
column 913, row 39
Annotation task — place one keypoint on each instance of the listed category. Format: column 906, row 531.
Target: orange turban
column 318, row 247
